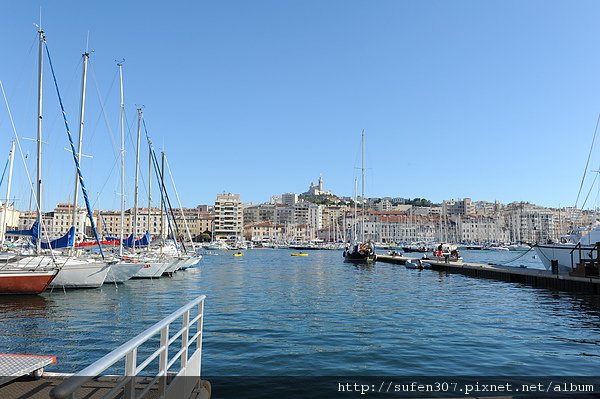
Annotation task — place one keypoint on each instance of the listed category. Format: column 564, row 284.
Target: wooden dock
column 533, row 277
column 40, row 388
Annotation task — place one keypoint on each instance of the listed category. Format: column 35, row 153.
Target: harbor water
column 271, row 314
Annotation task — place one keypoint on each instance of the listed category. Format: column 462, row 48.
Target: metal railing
column 127, row 386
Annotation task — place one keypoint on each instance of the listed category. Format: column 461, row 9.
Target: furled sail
column 144, row 241
column 35, row 232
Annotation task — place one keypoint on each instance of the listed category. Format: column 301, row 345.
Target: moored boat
column 360, row 251
column 18, row 281
column 573, row 247
column 80, row 273
column 122, row 271
column 445, row 253
column 152, row 269
column 417, row 264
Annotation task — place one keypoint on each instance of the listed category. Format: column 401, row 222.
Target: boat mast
column 122, row 117
column 362, row 196
column 86, row 57
column 137, row 174
column 149, row 188
column 42, row 38
column 354, row 235
column 11, row 157
column 162, row 202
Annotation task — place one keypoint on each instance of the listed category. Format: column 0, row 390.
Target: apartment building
column 462, row 207
column 57, row 222
column 264, row 232
column 229, row 217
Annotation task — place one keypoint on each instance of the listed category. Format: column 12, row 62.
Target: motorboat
column 573, row 247
column 420, row 247
column 417, row 264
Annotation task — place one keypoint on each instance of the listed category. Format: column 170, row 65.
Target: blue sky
column 493, row 100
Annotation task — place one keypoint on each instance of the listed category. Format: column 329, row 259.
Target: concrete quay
column 533, row 277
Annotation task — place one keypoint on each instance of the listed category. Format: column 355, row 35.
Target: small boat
column 417, row 247
column 417, row 264
column 298, row 254
column 445, row 253
column 360, row 253
column 238, row 254
column 497, row 248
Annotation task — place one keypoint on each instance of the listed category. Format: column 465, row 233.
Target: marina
column 264, row 257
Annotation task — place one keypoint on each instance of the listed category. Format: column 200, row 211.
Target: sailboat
column 361, row 251
column 67, row 272
column 16, row 278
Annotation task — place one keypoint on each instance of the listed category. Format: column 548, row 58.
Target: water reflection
column 23, row 305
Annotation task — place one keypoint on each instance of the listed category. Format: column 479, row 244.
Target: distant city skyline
column 491, row 101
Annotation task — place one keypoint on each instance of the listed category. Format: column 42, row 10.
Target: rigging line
column 134, row 145
column 163, row 191
column 77, row 166
column 3, row 173
column 22, row 70
column 589, row 192
column 187, row 228
column 24, row 163
column 103, row 109
column 176, row 231
column 517, row 258
column 588, row 161
column 108, row 177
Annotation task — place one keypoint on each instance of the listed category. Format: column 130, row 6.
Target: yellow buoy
column 299, row 254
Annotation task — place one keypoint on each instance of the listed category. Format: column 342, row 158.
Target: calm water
column 271, row 314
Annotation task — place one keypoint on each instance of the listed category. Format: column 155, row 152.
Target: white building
column 229, row 217
column 289, row 199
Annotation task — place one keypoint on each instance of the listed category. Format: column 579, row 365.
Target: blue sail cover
column 144, row 241
column 63, row 242
column 128, row 242
column 20, row 232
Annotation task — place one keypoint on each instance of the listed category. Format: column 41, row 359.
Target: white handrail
column 129, row 351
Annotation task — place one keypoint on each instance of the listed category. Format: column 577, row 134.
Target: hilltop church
column 317, row 189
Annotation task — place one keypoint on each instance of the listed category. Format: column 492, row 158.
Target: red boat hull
column 23, row 282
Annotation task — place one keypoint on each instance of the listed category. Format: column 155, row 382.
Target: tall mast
column 122, row 118
column 149, row 188
column 42, row 38
column 86, row 57
column 137, row 174
column 162, row 202
column 362, row 195
column 11, row 158
column 354, row 237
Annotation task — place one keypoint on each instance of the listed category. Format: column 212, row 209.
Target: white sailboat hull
column 81, row 274
column 151, row 270
column 173, row 266
column 122, row 271
column 191, row 261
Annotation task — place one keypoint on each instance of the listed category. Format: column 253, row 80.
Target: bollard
column 554, row 266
